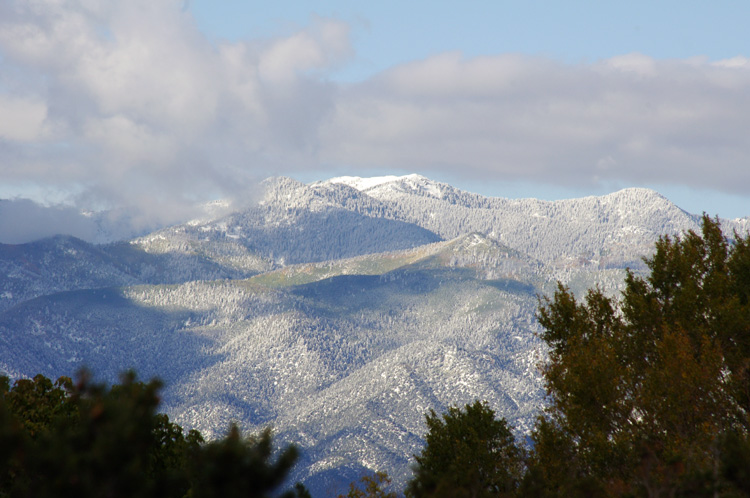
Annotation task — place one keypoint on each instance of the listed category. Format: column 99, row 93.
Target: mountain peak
column 363, row 184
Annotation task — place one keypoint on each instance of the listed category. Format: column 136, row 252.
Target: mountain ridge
column 337, row 315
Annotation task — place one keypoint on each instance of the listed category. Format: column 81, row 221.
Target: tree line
column 87, row 439
column 648, row 396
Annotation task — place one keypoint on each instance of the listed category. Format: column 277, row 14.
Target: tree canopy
column 649, row 393
column 371, row 487
column 468, row 452
column 86, row 439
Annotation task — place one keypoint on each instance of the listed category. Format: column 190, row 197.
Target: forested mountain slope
column 344, row 366
column 609, row 231
column 56, row 264
column 294, row 223
column 64, row 263
column 339, row 312
column 345, row 217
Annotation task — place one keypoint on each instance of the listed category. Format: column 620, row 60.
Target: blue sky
column 151, row 105
column 386, row 33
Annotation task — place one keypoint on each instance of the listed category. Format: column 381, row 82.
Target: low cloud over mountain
column 128, row 103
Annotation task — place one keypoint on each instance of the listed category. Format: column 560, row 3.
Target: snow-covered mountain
column 609, row 231
column 339, row 312
column 346, row 216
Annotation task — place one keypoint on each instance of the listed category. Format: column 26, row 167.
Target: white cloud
column 126, row 101
column 633, row 63
column 737, row 61
column 126, row 95
column 527, row 118
column 23, row 119
column 318, row 48
column 23, row 221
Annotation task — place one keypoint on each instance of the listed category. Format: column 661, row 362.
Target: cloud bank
column 127, row 103
column 629, row 119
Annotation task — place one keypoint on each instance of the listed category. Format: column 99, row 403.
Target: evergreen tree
column 642, row 391
column 467, row 453
column 372, row 487
column 88, row 440
column 238, row 467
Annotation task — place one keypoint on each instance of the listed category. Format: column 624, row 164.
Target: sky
column 148, row 107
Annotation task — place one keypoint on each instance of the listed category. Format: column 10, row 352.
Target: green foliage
column 735, row 460
column 641, row 390
column 467, row 453
column 237, row 467
column 372, row 487
column 87, row 440
column 553, row 467
column 27, row 412
column 40, row 401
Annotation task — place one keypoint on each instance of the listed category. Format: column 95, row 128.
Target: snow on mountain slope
column 363, row 184
column 351, row 216
column 611, row 231
column 65, row 263
column 484, row 257
column 339, row 312
column 404, row 183
column 294, row 223
column 366, row 351
column 53, row 265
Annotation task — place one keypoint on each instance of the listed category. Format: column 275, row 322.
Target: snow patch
column 363, row 184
